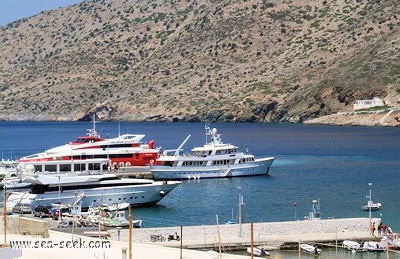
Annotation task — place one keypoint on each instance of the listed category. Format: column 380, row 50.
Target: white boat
column 393, row 241
column 8, row 169
column 47, row 189
column 9, row 173
column 372, row 206
column 14, row 183
column 351, row 245
column 373, row 246
column 258, row 251
column 117, row 206
column 110, row 218
column 60, row 167
column 212, row 160
column 309, row 249
column 124, row 150
column 315, row 213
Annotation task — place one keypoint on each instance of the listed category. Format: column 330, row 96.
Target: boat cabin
column 67, row 166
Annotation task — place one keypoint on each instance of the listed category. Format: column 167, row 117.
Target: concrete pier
column 272, row 235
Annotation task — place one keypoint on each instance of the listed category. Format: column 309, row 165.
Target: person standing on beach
column 372, row 229
column 379, row 229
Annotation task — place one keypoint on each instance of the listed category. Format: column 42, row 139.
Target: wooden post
column 5, row 214
column 299, row 249
column 219, row 237
column 181, row 241
column 336, row 239
column 130, row 231
column 252, row 240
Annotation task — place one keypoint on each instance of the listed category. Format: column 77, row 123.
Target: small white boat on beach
column 373, row 246
column 392, row 240
column 258, row 251
column 309, row 249
column 351, row 245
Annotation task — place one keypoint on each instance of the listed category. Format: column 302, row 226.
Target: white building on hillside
column 363, row 104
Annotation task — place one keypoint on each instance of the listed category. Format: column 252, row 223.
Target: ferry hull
column 257, row 167
column 135, row 195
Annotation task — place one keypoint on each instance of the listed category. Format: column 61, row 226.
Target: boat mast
column 94, row 122
column 370, row 201
column 241, row 205
column 5, row 214
column 181, row 145
column 92, row 132
column 207, row 128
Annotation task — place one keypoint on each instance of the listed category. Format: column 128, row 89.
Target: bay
column 331, row 163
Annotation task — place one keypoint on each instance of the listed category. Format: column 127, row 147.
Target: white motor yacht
column 214, row 159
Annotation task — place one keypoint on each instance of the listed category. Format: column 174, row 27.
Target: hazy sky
column 12, row 10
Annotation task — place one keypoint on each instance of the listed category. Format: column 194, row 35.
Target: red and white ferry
column 122, row 151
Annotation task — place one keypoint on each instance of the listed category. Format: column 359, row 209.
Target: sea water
column 332, row 164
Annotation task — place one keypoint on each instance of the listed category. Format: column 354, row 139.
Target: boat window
column 39, row 188
column 50, row 168
column 63, row 168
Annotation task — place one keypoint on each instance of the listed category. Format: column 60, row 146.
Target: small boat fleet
column 114, row 215
column 367, row 246
column 96, row 217
column 215, row 159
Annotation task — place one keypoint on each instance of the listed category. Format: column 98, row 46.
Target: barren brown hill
column 266, row 60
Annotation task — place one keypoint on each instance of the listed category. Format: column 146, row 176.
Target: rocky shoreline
column 384, row 118
column 389, row 118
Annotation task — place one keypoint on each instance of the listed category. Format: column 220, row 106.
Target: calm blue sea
column 331, row 163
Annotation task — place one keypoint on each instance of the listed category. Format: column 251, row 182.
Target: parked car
column 21, row 208
column 55, row 213
column 42, row 211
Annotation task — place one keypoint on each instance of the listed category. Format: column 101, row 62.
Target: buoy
column 162, row 193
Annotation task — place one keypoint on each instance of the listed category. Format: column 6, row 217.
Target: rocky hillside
column 192, row 60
